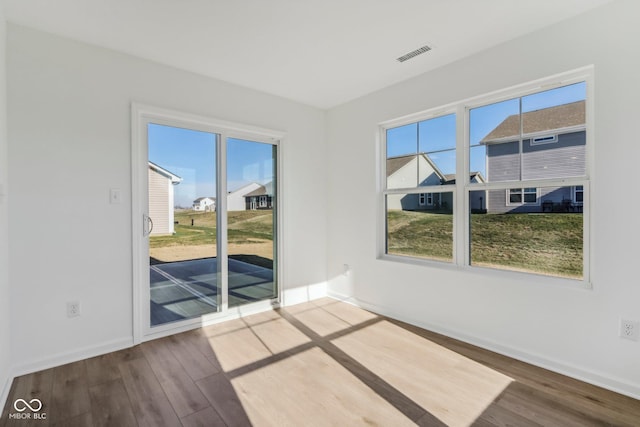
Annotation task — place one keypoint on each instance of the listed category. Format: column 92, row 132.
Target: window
column 578, row 194
column 548, row 139
column 420, row 155
column 263, row 201
column 519, row 196
column 519, row 182
column 425, row 199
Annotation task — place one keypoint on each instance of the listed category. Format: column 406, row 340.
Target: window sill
column 524, row 277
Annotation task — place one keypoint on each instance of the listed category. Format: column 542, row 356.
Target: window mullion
column 461, row 208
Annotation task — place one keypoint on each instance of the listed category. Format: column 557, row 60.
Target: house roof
column 247, row 188
column 394, row 164
column 175, row 179
column 566, row 117
column 262, row 191
column 450, row 178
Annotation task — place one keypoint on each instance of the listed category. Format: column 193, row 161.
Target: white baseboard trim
column 305, row 293
column 72, row 356
column 601, row 380
column 6, row 387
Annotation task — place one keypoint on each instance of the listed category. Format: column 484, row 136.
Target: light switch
column 115, row 196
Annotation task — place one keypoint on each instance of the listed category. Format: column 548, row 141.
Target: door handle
column 147, row 225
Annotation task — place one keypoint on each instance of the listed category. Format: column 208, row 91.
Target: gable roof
column 247, row 188
column 561, row 119
column 175, row 179
column 450, row 178
column 262, row 191
column 394, row 164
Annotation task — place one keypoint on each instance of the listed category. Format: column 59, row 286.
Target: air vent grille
column 414, row 53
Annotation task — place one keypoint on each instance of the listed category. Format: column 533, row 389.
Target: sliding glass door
column 206, row 198
column 251, row 224
column 182, row 225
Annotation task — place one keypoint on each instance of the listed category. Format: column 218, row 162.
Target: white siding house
column 203, row 204
column 236, row 199
column 161, row 199
column 411, row 170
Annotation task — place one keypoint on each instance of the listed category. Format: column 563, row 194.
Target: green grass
column 244, row 227
column 420, row 234
column 541, row 243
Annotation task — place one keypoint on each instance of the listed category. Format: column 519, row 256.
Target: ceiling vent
column 413, row 54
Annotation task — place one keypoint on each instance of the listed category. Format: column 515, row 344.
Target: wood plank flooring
column 323, row 363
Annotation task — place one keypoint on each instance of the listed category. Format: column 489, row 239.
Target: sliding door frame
column 141, row 116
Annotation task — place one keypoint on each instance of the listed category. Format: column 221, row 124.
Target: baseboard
column 6, row 387
column 71, row 356
column 588, row 376
column 304, row 293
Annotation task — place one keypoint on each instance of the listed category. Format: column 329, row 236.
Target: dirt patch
column 183, row 253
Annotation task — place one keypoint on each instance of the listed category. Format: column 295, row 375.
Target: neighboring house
column 204, row 204
column 261, row 198
column 553, row 146
column 477, row 199
column 161, row 204
column 403, row 171
column 236, row 199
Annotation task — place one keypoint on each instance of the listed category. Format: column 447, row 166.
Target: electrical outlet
column 73, row 308
column 629, row 329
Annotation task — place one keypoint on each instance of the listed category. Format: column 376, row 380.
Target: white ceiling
column 318, row 52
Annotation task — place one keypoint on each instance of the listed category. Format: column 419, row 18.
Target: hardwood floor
column 324, row 363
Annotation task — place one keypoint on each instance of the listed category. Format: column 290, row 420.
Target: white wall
column 568, row 329
column 5, row 349
column 69, row 142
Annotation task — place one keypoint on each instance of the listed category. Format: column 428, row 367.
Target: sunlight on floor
column 312, row 388
column 335, row 363
column 451, row 387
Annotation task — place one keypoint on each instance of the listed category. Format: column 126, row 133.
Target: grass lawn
column 540, row 243
column 244, row 227
column 420, row 234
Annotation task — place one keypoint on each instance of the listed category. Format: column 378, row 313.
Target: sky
column 191, row 155
column 437, row 137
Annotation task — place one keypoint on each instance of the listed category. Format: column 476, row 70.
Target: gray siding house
column 553, row 146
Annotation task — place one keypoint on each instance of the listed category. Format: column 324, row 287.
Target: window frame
column 575, row 192
column 461, row 190
column 432, row 189
column 425, row 199
column 522, row 195
column 429, row 198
